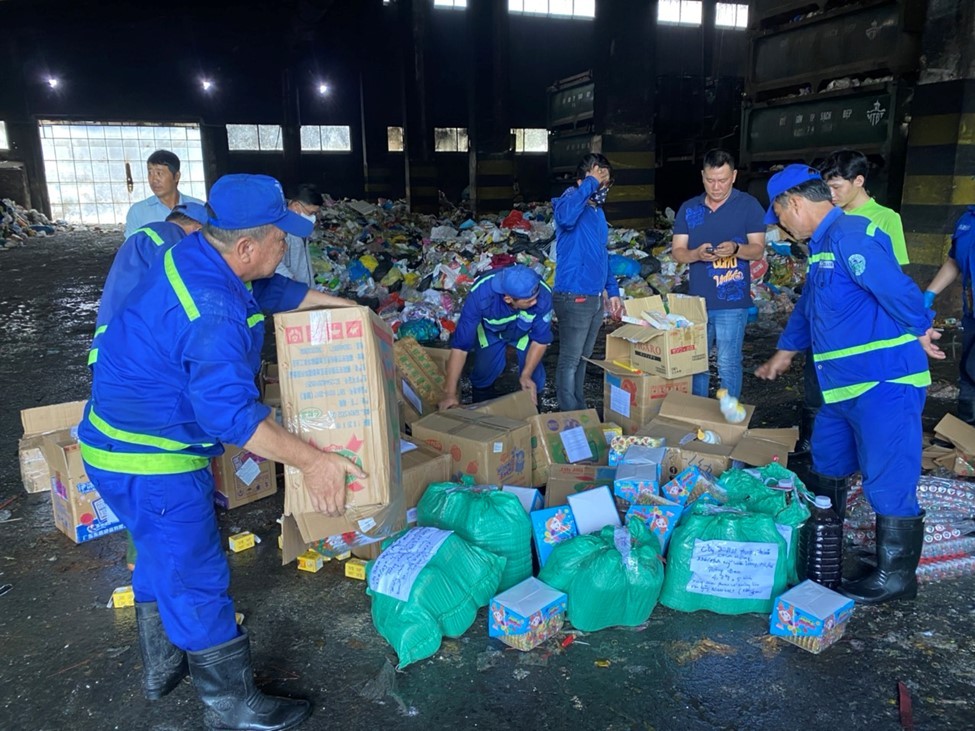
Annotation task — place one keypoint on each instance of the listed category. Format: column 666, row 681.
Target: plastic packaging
column 733, row 412
column 821, row 545
column 708, row 437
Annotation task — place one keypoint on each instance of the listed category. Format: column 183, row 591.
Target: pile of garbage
column 415, row 270
column 17, row 224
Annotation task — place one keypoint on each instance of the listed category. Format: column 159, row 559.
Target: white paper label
column 410, row 395
column 619, row 401
column 248, row 472
column 319, row 327
column 498, row 447
column 733, row 570
column 405, row 446
column 786, row 532
column 396, row 569
column 367, row 524
column 576, row 445
column 411, row 515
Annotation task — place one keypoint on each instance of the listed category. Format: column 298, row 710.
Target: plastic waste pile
column 17, row 224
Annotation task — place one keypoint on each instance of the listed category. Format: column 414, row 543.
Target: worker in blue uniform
column 510, row 306
column 868, row 329
column 173, row 382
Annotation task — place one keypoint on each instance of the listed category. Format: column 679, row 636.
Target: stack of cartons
column 419, row 379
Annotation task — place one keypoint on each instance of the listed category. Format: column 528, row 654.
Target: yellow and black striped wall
column 634, row 157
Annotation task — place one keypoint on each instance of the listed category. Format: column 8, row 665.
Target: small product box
column 344, row 555
column 241, row 541
column 311, row 561
column 635, row 482
column 810, row 616
column 550, row 527
column 355, row 568
column 123, row 597
column 527, row 614
column 657, row 514
column 688, row 485
column 531, row 499
column 619, row 445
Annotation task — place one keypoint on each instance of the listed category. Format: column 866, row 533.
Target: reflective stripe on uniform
column 523, row 343
column 153, row 236
column 823, row 256
column 92, row 356
column 481, row 336
column 920, row 380
column 834, row 395
column 481, row 281
column 179, row 287
column 142, row 464
column 146, row 440
column 254, row 319
column 865, row 348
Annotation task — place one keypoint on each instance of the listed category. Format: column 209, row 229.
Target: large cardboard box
column 419, row 379
column 241, row 477
column 631, row 399
column 338, row 394
column 37, row 422
column 494, row 450
column 568, row 479
column 667, row 353
column 79, row 512
column 562, row 438
column 681, row 414
column 959, row 459
column 516, row 405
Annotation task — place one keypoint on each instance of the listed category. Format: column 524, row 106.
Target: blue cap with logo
column 196, row 211
column 787, row 178
column 518, row 282
column 246, row 201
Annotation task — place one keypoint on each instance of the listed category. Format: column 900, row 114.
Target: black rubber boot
column 163, row 664
column 837, row 489
column 807, row 417
column 224, row 678
column 899, row 543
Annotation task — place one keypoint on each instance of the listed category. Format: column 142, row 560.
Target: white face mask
column 309, row 217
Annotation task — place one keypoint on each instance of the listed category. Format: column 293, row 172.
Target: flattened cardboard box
column 79, row 512
column 493, row 450
column 667, row 353
column 681, row 414
column 548, row 448
column 241, row 477
column 631, row 399
column 338, row 394
column 38, row 421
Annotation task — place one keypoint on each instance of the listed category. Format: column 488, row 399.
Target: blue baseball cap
column 518, row 282
column 196, row 211
column 786, row 179
column 247, row 201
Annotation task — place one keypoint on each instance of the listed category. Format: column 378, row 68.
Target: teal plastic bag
column 485, row 516
column 443, row 601
column 612, row 578
column 726, row 561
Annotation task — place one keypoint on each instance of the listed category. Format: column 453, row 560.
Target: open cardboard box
column 961, row 459
column 681, row 414
column 37, row 422
column 667, row 353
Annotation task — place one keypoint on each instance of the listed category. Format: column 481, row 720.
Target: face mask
column 599, row 197
column 309, row 217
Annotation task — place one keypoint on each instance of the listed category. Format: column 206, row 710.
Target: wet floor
column 67, row 661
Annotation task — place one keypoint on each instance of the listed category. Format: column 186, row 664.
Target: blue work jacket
column 486, row 318
column 581, row 236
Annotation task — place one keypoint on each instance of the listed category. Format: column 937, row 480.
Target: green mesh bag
column 457, row 581
column 612, row 578
column 485, row 516
column 749, row 490
column 726, row 561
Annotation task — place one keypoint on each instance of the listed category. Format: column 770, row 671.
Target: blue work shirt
column 860, row 313
column 175, row 374
column 962, row 251
column 151, row 210
column 486, row 319
column 726, row 283
column 131, row 263
column 581, row 236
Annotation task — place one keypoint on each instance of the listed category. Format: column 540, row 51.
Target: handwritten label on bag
column 396, row 569
column 733, row 570
column 619, row 401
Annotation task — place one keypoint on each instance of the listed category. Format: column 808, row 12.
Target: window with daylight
column 458, row 4
column 326, row 138
column 554, row 8
column 530, row 140
column 731, row 15
column 254, row 137
column 680, row 12
column 450, row 139
column 394, row 139
column 4, row 144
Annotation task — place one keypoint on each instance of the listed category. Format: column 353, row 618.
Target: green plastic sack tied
column 726, row 561
column 761, row 491
column 443, row 601
column 612, row 578
column 485, row 516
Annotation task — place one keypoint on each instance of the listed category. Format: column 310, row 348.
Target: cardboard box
column 565, row 480
column 688, row 485
column 961, row 459
column 37, row 422
column 666, row 353
column 123, row 596
column 550, row 527
column 311, row 561
column 810, row 616
column 630, row 399
column 516, row 405
column 79, row 512
column 241, row 541
column 681, row 415
column 530, row 498
column 338, row 394
column 659, row 515
column 355, row 568
column 494, row 450
column 565, row 437
column 594, row 509
column 636, row 482
column 419, row 379
column 241, row 477
column 527, row 614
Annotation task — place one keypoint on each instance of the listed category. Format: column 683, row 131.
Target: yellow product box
column 355, row 568
column 344, row 555
column 241, row 541
column 311, row 561
column 611, row 431
column 123, row 597
column 280, row 542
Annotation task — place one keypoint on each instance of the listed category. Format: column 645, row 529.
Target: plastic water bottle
column 734, row 412
column 708, row 437
column 821, row 545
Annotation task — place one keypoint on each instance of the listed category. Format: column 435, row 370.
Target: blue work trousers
column 879, row 433
column 579, row 320
column 181, row 562
column 726, row 329
column 489, row 364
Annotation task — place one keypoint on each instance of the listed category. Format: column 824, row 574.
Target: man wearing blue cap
column 174, row 382
column 868, row 329
column 510, row 306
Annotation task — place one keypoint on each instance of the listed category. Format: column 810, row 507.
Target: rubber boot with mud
column 899, row 543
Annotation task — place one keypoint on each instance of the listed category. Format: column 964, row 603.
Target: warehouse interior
column 481, row 106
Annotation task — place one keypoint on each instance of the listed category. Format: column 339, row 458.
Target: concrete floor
column 69, row 662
